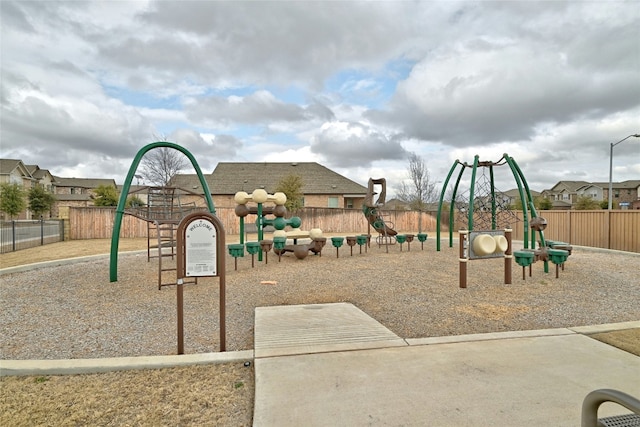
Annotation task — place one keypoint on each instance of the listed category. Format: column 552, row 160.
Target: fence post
column 65, row 215
column 607, row 226
column 41, row 230
column 13, row 234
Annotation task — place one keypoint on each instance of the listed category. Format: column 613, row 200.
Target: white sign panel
column 200, row 248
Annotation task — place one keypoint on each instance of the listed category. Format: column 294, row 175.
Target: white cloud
column 553, row 84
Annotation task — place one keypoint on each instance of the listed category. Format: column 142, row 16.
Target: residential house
column 13, row 171
column 564, row 194
column 322, row 187
column 139, row 191
column 42, row 176
column 77, row 192
column 592, row 190
column 512, row 197
column 626, row 194
column 396, row 205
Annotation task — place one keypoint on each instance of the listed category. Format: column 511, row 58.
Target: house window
column 349, row 203
column 333, row 202
column 73, row 190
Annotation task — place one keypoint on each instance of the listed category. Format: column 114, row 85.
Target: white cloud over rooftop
column 353, row 85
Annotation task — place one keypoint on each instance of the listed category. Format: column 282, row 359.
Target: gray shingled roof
column 8, row 165
column 515, row 193
column 73, row 197
column 631, row 184
column 229, row 178
column 83, row 182
column 570, row 186
column 38, row 173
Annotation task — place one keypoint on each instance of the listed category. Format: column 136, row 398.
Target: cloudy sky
column 355, row 86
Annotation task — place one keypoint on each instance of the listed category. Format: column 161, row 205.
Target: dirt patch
column 493, row 311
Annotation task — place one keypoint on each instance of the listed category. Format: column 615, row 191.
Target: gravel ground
column 73, row 311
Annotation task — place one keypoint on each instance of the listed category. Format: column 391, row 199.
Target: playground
column 74, row 311
column 410, row 284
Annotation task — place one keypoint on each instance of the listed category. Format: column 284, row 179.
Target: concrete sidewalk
column 527, row 378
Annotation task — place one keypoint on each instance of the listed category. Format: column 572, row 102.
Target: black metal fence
column 23, row 234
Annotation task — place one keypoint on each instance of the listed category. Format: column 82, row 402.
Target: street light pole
column 613, row 144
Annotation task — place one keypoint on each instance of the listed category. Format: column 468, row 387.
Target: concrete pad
column 528, row 381
column 316, row 328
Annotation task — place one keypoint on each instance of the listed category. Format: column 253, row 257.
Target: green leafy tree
column 134, row 202
column 545, row 204
column 40, row 200
column 291, row 185
column 12, row 199
column 106, row 195
column 604, row 204
column 586, row 203
column 517, row 204
column 539, row 202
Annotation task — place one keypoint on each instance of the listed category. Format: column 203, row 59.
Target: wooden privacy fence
column 615, row 229
column 97, row 222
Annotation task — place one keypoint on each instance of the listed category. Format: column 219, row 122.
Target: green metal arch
column 472, row 191
column 115, row 236
column 442, row 194
column 528, row 206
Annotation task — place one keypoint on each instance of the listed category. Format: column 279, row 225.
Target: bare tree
column 161, row 164
column 420, row 190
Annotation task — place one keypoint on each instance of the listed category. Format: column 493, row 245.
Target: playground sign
column 201, row 249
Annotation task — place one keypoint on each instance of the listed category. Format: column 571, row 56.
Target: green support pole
column 453, row 206
column 260, row 226
column 242, row 230
column 534, row 214
column 493, row 199
column 471, row 191
column 442, row 193
column 115, row 236
column 523, row 198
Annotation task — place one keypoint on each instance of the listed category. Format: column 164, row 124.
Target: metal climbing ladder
column 164, row 212
column 384, row 238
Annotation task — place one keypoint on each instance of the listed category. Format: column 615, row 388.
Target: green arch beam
column 528, row 207
column 115, row 236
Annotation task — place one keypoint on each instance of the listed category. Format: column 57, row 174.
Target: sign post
column 201, row 253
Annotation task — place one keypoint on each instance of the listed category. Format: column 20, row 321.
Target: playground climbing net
column 492, row 209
